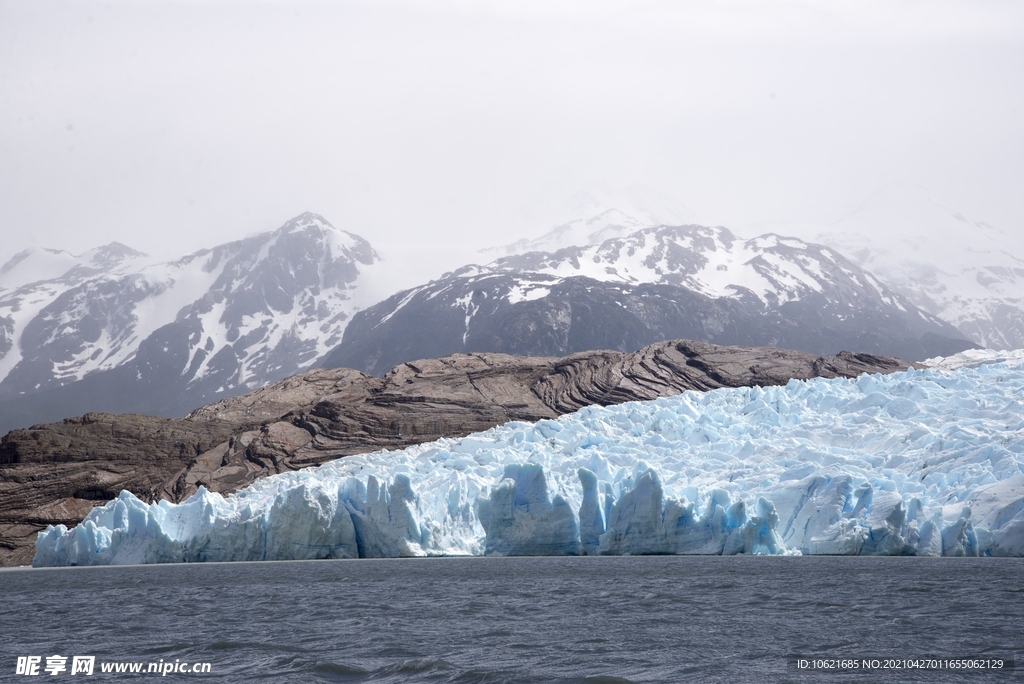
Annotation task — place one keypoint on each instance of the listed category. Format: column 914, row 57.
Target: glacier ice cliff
column 925, row 462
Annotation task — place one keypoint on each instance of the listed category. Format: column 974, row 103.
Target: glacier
column 922, row 462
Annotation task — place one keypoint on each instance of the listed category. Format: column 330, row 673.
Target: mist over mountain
column 964, row 271
column 589, row 217
column 605, row 225
column 110, row 331
column 655, row 283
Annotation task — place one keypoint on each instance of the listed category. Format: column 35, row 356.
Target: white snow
column 526, row 292
column 405, row 300
column 467, row 305
column 963, row 271
column 725, row 266
column 927, row 462
column 214, row 331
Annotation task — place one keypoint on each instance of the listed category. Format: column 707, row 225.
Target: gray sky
column 171, row 126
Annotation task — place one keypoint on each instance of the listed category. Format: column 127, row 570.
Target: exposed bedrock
column 55, row 473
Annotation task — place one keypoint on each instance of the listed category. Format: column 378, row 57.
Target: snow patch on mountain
column 711, row 261
column 527, row 292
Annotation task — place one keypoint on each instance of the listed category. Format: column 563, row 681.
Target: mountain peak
column 111, row 254
column 304, row 221
column 340, row 242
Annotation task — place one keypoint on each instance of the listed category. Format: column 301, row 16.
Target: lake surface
column 589, row 619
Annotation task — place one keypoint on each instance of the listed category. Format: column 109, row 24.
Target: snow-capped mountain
column 88, row 318
column 966, row 272
column 713, row 262
column 166, row 337
column 656, row 283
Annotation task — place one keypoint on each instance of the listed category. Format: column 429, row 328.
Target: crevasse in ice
column 926, row 462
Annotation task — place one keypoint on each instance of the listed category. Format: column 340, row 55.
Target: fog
column 435, row 129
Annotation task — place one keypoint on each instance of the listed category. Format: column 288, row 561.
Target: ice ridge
column 925, row 462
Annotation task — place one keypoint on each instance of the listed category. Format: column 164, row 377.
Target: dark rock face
column 475, row 315
column 657, row 283
column 55, row 473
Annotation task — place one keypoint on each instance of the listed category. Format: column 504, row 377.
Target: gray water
column 590, row 619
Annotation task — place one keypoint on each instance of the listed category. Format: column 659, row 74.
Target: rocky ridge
column 55, row 473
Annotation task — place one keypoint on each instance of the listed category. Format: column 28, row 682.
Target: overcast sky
column 171, row 126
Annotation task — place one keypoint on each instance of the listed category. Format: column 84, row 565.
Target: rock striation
column 55, row 473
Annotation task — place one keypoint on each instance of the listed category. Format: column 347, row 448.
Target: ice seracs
column 925, row 462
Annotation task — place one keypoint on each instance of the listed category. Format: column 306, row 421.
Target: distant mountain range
column 110, row 330
column 964, row 271
column 651, row 284
column 114, row 330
